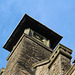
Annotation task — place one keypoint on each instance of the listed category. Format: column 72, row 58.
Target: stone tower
column 31, row 50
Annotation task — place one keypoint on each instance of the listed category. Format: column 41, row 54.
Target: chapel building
column 35, row 50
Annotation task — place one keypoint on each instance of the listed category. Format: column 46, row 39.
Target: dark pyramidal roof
column 28, row 22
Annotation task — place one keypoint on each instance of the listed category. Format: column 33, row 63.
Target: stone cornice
column 64, row 48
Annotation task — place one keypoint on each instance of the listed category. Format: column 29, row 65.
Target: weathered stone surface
column 58, row 64
column 65, row 64
column 59, row 67
column 55, row 68
column 24, row 56
column 28, row 52
column 42, row 70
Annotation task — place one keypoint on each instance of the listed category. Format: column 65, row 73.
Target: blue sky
column 58, row 15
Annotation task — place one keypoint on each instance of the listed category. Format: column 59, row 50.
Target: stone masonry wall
column 25, row 55
column 60, row 66
column 13, row 67
column 65, row 64
column 42, row 70
column 55, row 68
